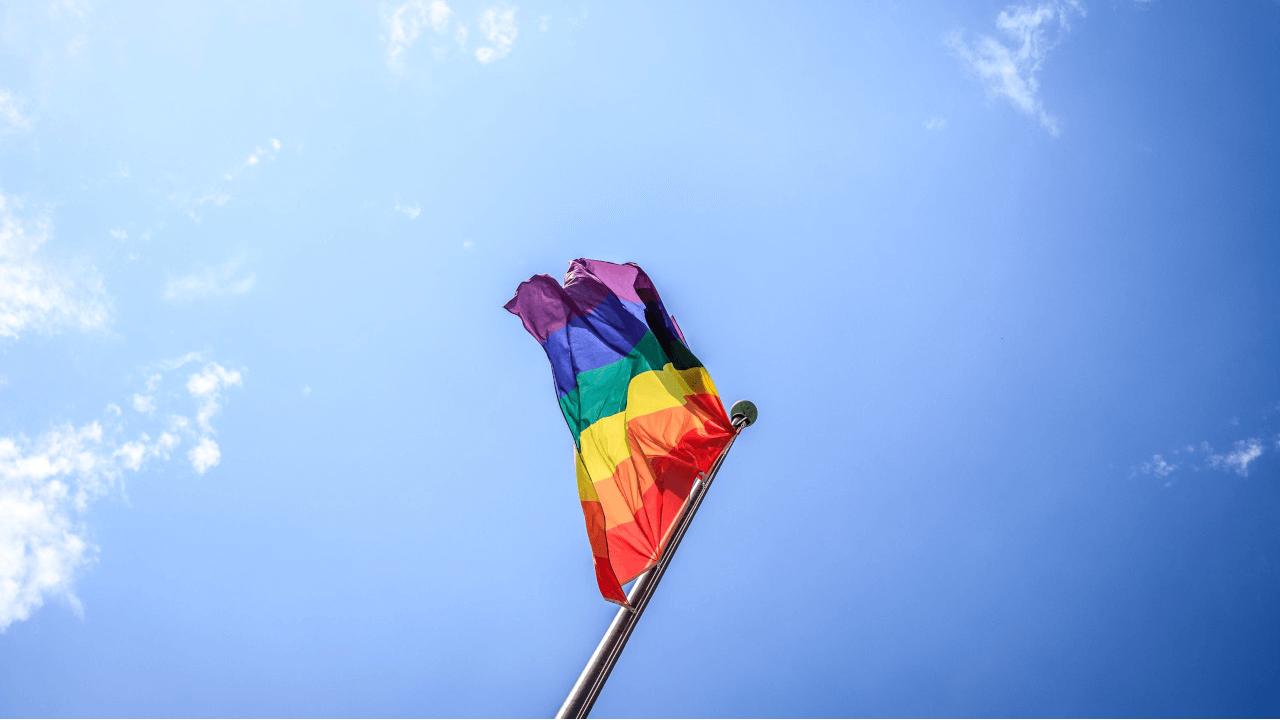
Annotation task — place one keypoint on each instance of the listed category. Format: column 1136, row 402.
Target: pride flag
column 646, row 419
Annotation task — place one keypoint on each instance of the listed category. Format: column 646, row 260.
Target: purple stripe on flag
column 595, row 319
column 620, row 279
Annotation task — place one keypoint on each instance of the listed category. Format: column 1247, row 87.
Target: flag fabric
column 646, row 419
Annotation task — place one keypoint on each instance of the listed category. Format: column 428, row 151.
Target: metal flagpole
column 585, row 691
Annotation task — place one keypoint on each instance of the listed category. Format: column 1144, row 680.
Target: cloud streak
column 1009, row 66
column 415, row 20
column 11, row 113
column 1202, row 457
column 39, row 295
column 1158, row 466
column 256, row 157
column 498, row 27
column 409, row 210
column 219, row 195
column 47, row 483
column 409, row 21
column 228, row 279
column 1238, row 459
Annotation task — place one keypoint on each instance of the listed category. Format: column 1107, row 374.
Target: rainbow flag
column 645, row 417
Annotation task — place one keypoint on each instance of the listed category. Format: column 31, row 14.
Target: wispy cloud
column 937, row 122
column 219, row 195
column 74, row 15
column 217, row 198
column 409, row 210
column 227, row 279
column 1238, row 459
column 46, row 31
column 415, row 20
column 37, row 294
column 498, row 27
column 1203, row 457
column 205, row 455
column 207, row 387
column 409, row 21
column 1158, row 466
column 257, row 156
column 1010, row 67
column 11, row 113
column 144, row 404
column 47, row 483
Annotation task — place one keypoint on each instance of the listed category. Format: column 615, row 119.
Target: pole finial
column 743, row 413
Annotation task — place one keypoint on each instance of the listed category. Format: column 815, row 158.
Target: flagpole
column 583, row 694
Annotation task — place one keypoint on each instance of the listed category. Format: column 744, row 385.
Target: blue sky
column 1001, row 278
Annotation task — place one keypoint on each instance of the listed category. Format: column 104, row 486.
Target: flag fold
column 645, row 417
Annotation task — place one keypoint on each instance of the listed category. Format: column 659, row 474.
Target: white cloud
column 40, row 549
column 1201, row 457
column 228, row 279
column 219, row 195
column 11, row 112
column 206, row 386
column 172, row 364
column 259, row 154
column 216, row 198
column 1158, row 466
column 39, row 295
column 407, row 23
column 48, row 483
column 204, row 455
column 936, row 122
column 256, row 157
column 212, row 378
column 411, row 211
column 118, row 233
column 1010, row 68
column 498, row 26
column 1238, row 459
column 544, row 23
column 132, row 454
column 144, row 404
